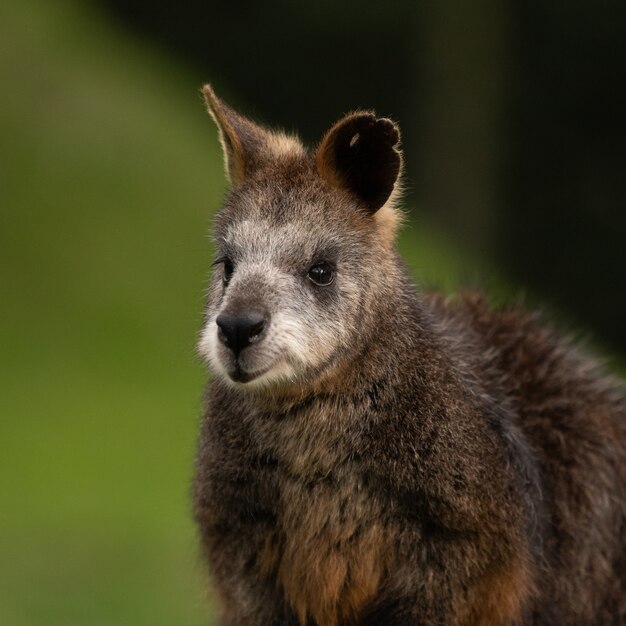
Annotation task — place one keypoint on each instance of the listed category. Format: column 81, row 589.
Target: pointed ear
column 361, row 154
column 243, row 141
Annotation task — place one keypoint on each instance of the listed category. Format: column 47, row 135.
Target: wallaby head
column 304, row 247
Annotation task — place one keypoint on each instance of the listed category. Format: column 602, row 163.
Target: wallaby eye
column 227, row 268
column 322, row 274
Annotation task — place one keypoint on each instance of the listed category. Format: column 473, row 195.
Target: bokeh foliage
column 108, row 168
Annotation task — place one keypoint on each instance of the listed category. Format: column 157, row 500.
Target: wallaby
column 370, row 456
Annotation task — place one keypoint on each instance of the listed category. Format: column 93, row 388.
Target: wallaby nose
column 239, row 331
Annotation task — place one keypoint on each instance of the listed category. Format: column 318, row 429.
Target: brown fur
column 405, row 460
column 500, row 597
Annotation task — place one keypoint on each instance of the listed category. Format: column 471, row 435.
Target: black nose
column 239, row 331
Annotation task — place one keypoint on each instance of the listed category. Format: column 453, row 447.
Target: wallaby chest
column 328, row 550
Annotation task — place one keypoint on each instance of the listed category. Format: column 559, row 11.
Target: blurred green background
column 109, row 174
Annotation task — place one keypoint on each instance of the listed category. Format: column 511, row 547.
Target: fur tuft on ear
column 246, row 145
column 241, row 139
column 361, row 154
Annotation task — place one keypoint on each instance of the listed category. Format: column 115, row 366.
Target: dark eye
column 227, row 268
column 322, row 273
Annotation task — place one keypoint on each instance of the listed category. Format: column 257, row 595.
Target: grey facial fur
column 272, row 237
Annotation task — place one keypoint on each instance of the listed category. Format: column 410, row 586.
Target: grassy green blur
column 109, row 170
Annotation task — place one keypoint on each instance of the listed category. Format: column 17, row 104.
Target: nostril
column 225, row 328
column 222, row 336
column 256, row 327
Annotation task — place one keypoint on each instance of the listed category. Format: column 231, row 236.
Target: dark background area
column 513, row 112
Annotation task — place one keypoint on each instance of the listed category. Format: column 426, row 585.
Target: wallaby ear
column 243, row 141
column 361, row 154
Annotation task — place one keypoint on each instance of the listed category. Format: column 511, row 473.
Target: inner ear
column 361, row 154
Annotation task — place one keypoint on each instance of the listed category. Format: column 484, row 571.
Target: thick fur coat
column 373, row 457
